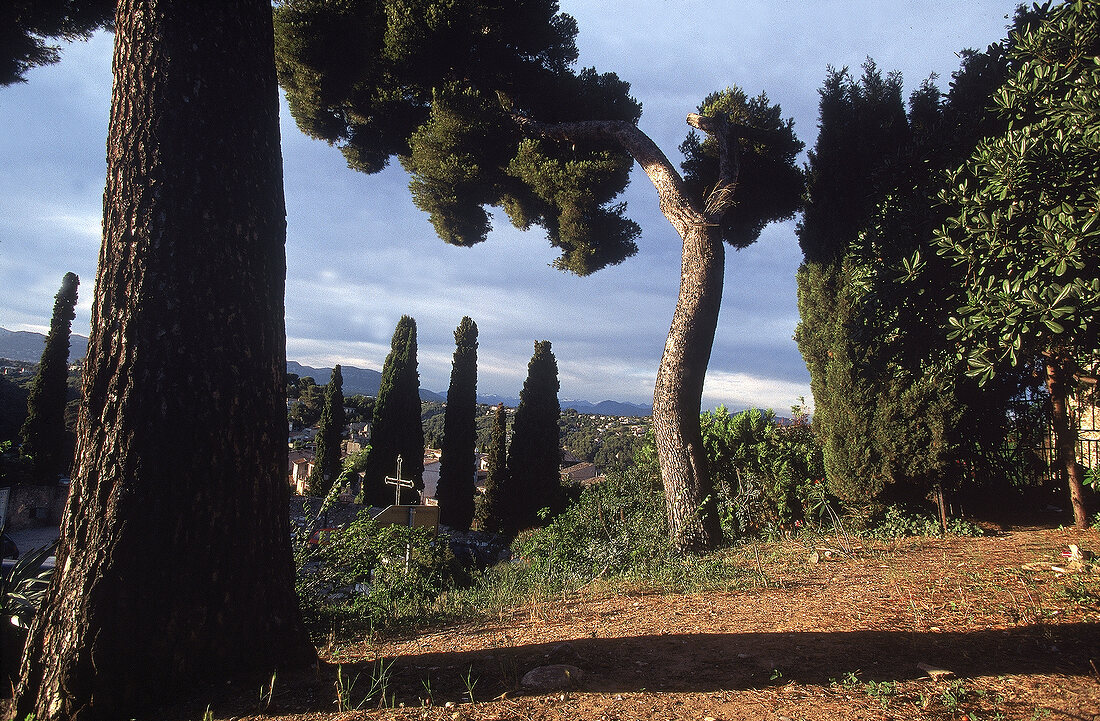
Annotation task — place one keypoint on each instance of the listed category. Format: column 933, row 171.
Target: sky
column 360, row 255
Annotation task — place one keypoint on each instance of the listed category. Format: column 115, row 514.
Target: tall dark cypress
column 326, row 463
column 455, row 492
column 491, row 511
column 534, row 456
column 43, row 433
column 397, row 429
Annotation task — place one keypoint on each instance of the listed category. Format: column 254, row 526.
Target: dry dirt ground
column 850, row 637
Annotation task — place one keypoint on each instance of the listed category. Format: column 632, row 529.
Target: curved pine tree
column 43, row 433
column 326, row 462
column 397, row 429
column 504, row 120
column 455, row 492
column 534, row 456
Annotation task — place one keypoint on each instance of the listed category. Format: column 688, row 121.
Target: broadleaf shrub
column 768, row 474
column 369, row 576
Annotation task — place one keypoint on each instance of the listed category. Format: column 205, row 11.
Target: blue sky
column 360, row 255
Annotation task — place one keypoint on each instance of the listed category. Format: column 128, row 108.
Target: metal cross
column 398, row 483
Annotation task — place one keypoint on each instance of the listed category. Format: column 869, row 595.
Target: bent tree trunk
column 175, row 565
column 1065, row 435
column 677, row 397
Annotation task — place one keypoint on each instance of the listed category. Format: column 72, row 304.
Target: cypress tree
column 326, row 462
column 43, row 434
column 491, row 511
column 534, row 456
column 457, row 467
column 397, row 429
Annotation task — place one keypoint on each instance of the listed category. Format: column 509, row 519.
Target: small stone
column 556, row 677
column 934, row 672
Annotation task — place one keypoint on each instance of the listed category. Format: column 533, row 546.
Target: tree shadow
column 679, row 663
column 735, row 661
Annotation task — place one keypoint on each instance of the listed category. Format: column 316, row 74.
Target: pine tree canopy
column 769, row 183
column 27, row 26
column 440, row 86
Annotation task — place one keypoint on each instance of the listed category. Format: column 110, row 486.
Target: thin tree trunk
column 1065, row 436
column 677, row 397
column 175, row 565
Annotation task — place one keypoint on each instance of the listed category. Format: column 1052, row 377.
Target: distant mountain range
column 366, row 382
column 357, row 381
column 26, row 346
column 603, row 408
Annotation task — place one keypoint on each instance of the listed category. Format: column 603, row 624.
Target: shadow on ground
column 700, row 663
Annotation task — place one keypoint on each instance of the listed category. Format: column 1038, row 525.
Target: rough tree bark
column 1065, row 435
column 175, row 565
column 677, row 397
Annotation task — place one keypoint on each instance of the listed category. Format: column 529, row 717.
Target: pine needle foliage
column 369, row 77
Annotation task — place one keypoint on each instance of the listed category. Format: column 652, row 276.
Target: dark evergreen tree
column 491, row 511
column 397, row 430
column 43, row 435
column 326, row 461
column 506, row 122
column 457, row 467
column 28, row 26
column 895, row 418
column 534, row 455
column 174, row 569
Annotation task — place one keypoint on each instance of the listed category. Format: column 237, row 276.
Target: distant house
column 300, row 466
column 306, row 435
column 583, row 473
column 431, row 481
column 568, row 459
column 359, row 433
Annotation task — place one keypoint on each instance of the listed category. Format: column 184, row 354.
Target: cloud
column 744, row 390
column 360, row 254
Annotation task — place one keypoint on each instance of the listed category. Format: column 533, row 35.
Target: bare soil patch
column 850, row 637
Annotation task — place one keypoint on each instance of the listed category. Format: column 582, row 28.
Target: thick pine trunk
column 677, row 397
column 175, row 565
column 1065, row 436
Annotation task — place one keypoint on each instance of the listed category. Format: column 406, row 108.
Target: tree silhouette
column 43, row 434
column 397, row 430
column 457, row 467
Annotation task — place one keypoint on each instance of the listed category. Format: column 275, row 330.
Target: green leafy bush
column 616, row 530
column 768, row 474
column 899, row 522
column 368, row 576
column 617, row 527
